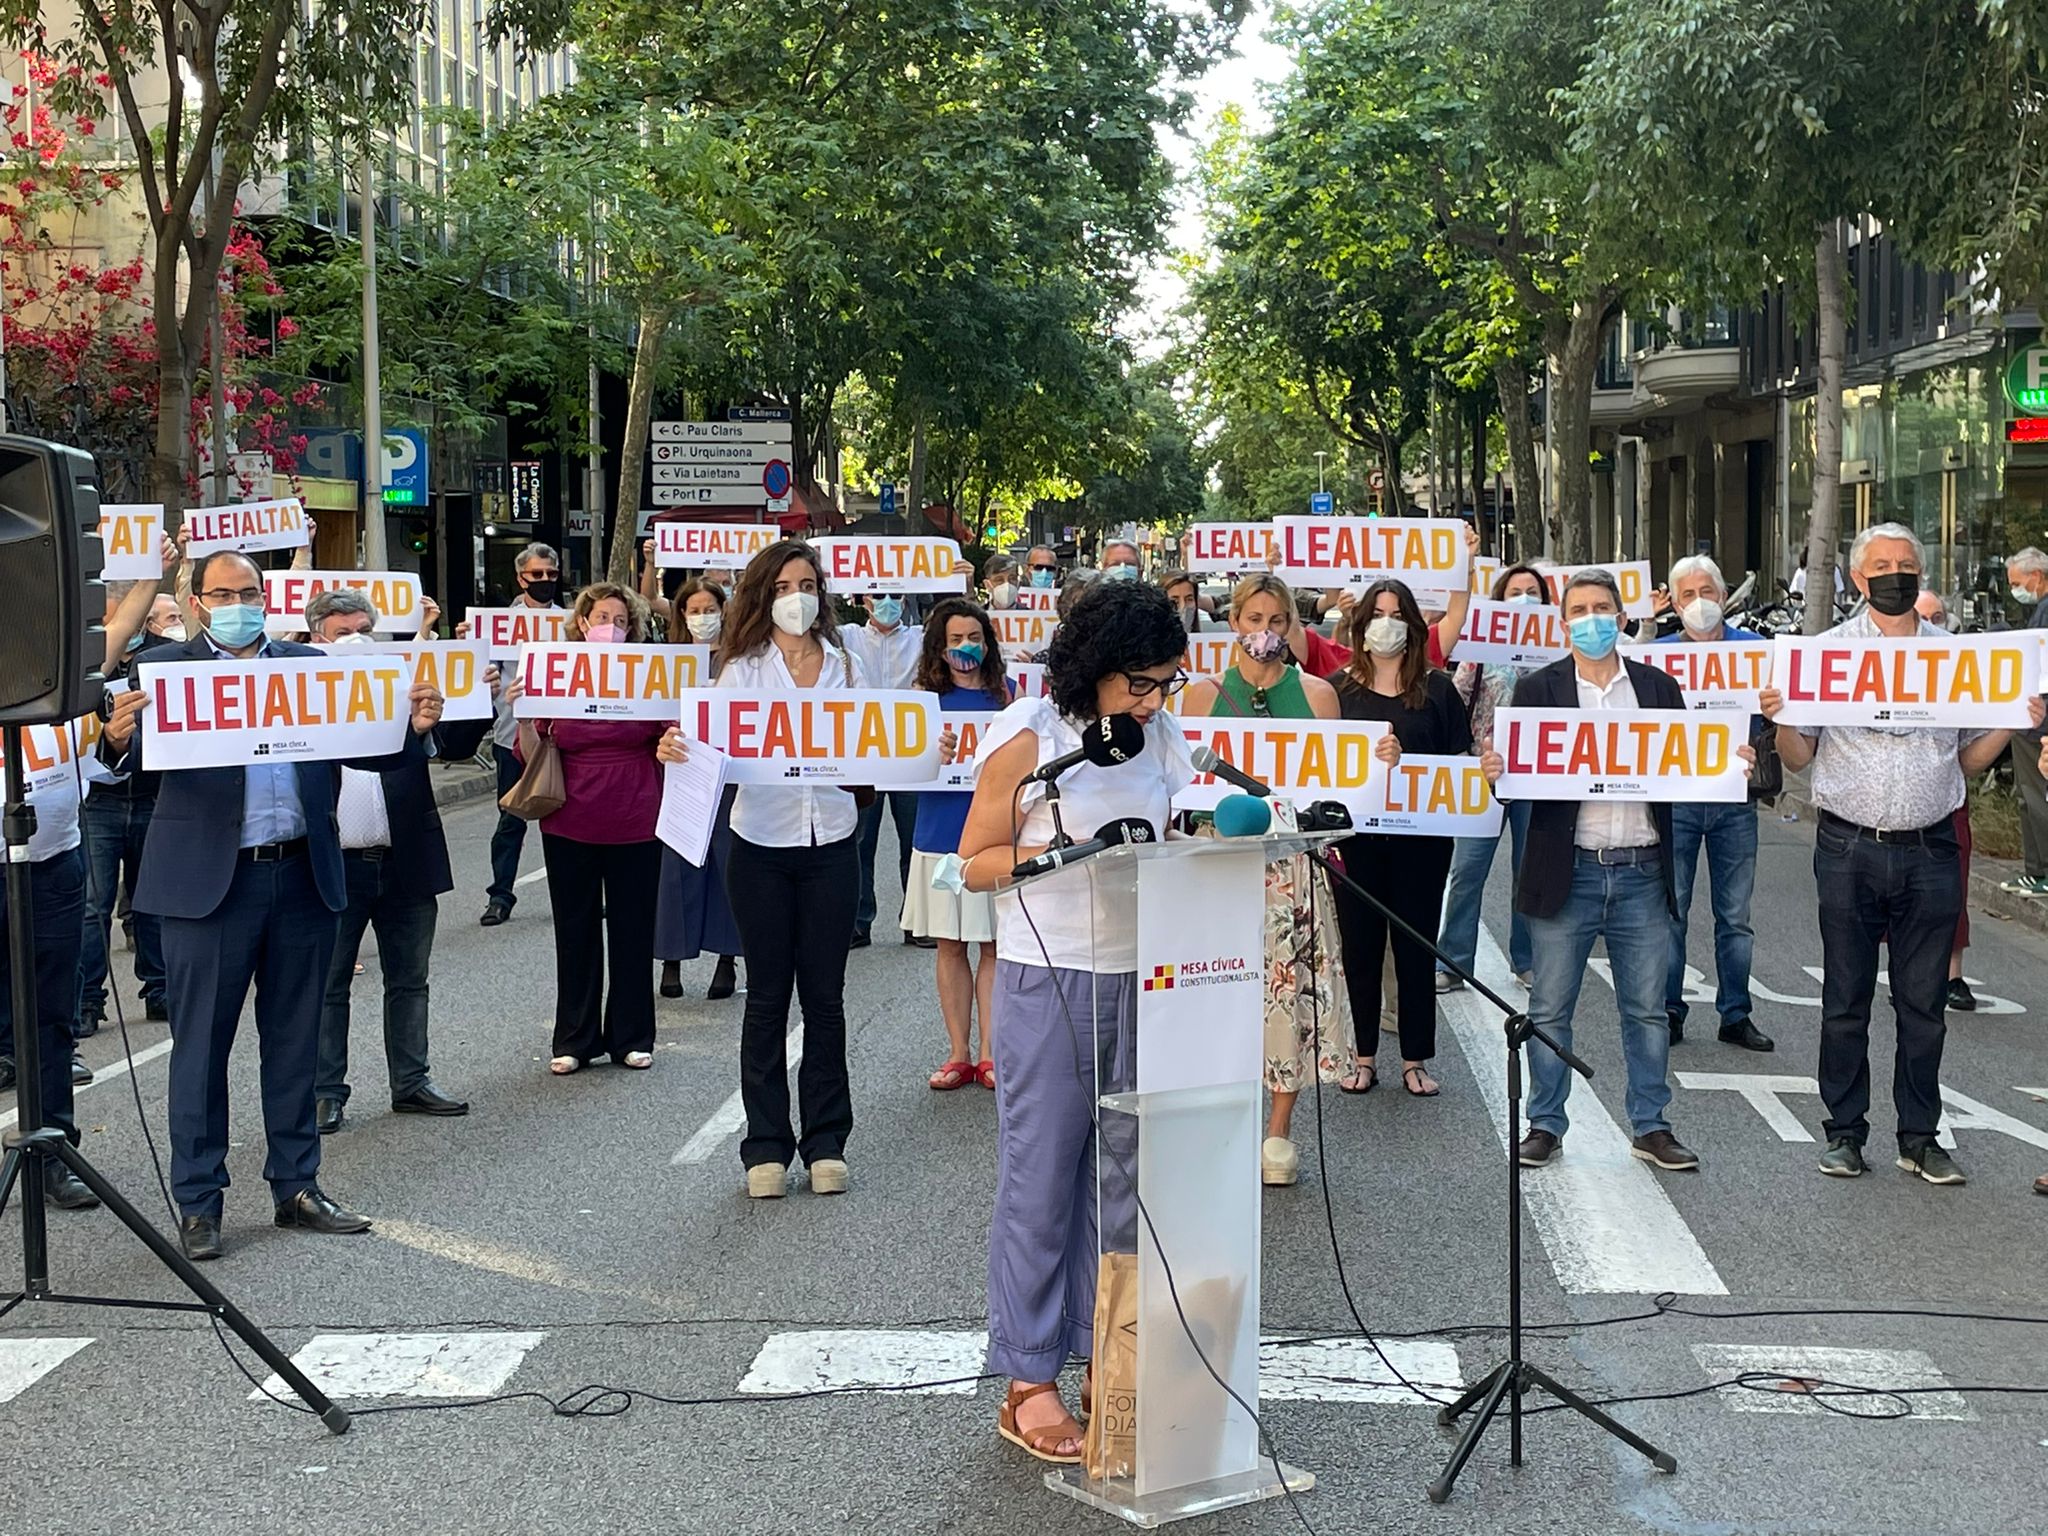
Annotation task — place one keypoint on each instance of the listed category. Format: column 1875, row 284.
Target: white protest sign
column 1632, row 576
column 1224, row 549
column 455, row 668
column 247, row 526
column 883, row 737
column 1512, row 634
column 394, row 594
column 230, row 713
column 967, row 725
column 1300, row 759
column 1427, row 795
column 504, row 630
column 131, row 540
column 1029, row 676
column 1209, row 655
column 1486, row 570
column 1023, row 634
column 1961, row 681
column 888, row 563
column 1036, row 600
column 577, row 680
column 707, row 546
column 1599, row 754
column 1713, row 674
column 1428, row 554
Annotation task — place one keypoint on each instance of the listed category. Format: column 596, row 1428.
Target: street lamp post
column 1321, row 454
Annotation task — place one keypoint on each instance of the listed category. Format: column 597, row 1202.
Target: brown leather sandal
column 1043, row 1442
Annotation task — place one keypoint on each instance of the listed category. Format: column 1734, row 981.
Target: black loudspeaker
column 52, row 602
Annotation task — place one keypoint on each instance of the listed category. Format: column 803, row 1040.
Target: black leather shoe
column 311, row 1209
column 1677, row 1023
column 862, row 938
column 1960, row 998
column 1745, row 1034
column 327, row 1116
column 495, row 913
column 87, row 1026
column 66, row 1190
column 200, row 1236
column 80, row 1072
column 156, row 1011
column 428, row 1100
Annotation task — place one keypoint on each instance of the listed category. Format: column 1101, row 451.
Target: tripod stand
column 43, row 1148
column 1514, row 1375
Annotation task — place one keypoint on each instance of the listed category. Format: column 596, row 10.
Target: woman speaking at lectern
column 1066, row 981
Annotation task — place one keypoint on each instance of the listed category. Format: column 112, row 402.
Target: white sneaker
column 768, row 1181
column 1279, row 1161
column 828, row 1176
column 1446, row 982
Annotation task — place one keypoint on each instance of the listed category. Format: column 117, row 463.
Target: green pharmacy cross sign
column 2026, row 379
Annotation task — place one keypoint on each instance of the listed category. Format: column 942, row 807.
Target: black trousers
column 617, row 880
column 1907, row 896
column 794, row 908
column 1409, row 875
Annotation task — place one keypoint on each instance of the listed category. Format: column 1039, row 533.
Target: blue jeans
column 1471, row 863
column 510, row 834
column 113, row 828
column 1625, row 905
column 903, row 808
column 404, row 924
column 1729, row 833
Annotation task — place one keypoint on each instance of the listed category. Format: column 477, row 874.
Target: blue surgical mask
column 965, row 658
column 1042, row 578
column 135, row 642
column 1122, row 573
column 1526, row 597
column 887, row 611
column 235, row 625
column 1594, row 635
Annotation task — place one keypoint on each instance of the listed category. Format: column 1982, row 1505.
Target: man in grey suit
column 244, row 866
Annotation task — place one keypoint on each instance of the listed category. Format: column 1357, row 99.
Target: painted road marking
column 24, row 1362
column 528, row 879
column 1700, row 990
column 1762, row 1090
column 1875, row 1368
column 106, row 1074
column 350, row 1366
column 1987, row 1003
column 727, row 1120
column 1605, row 1221
column 918, row 1360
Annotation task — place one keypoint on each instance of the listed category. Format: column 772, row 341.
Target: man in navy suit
column 244, row 866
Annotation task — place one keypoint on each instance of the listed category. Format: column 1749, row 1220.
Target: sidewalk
column 457, row 782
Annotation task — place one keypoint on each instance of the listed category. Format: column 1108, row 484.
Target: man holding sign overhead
column 1888, row 866
column 244, row 865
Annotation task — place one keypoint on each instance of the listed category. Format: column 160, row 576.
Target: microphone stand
column 1514, row 1376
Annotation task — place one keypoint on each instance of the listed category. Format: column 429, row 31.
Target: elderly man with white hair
column 1889, row 870
column 1122, row 561
column 2027, row 572
column 1726, row 831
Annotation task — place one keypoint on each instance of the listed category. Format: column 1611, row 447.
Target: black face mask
column 1894, row 592
column 543, row 591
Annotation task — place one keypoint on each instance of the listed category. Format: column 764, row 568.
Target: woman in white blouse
column 792, row 880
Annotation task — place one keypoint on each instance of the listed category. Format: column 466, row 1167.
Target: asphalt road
column 553, row 1240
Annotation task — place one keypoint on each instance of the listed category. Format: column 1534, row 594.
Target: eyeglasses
column 1143, row 687
column 220, row 597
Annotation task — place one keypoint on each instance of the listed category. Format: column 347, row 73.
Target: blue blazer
column 195, row 834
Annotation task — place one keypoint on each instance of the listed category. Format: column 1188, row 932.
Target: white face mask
column 795, row 612
column 1524, row 597
column 1386, row 636
column 2022, row 595
column 1702, row 615
column 358, row 638
column 705, row 627
column 173, row 631
column 1002, row 594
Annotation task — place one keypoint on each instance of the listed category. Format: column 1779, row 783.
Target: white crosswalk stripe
column 1903, row 1369
column 24, row 1362
column 353, row 1366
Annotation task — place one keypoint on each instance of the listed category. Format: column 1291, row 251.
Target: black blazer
column 190, row 852
column 1546, row 875
column 421, row 867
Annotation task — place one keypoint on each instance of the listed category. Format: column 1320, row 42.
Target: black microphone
column 1208, row 760
column 1114, row 834
column 1106, row 741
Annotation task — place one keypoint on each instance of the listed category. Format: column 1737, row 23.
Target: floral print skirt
column 1308, row 1010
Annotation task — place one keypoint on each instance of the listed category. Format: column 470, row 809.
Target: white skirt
column 931, row 913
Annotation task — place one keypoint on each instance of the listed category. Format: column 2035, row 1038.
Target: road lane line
column 24, row 1362
column 353, row 1366
column 106, row 1074
column 727, row 1120
column 1608, row 1226
column 528, row 879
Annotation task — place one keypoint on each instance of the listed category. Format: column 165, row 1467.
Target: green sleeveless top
column 1285, row 700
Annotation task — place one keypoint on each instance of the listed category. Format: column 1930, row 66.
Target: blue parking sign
column 1322, row 503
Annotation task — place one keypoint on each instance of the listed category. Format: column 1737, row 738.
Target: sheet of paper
column 690, row 793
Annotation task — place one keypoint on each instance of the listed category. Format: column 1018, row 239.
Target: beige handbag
column 540, row 791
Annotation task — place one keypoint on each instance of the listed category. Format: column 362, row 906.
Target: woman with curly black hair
column 1066, row 988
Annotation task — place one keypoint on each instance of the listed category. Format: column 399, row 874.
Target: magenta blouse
column 612, row 780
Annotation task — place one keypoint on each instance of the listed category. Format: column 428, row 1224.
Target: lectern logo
column 1161, row 979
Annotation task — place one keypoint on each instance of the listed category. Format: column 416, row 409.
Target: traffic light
column 416, row 536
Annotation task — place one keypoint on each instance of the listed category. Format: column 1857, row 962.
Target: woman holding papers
column 963, row 664
column 1067, row 984
column 1308, row 1011
column 691, row 913
column 793, row 881
column 602, row 859
column 1390, row 679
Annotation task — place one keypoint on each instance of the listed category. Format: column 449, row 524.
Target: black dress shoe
column 1960, row 998
column 1676, row 1021
column 861, row 939
column 327, row 1116
column 1746, row 1035
column 80, row 1072
column 495, row 913
column 919, row 941
column 89, row 1024
column 66, row 1190
column 156, row 1010
column 724, row 980
column 200, row 1236
column 428, row 1100
column 311, row 1209
column 671, row 978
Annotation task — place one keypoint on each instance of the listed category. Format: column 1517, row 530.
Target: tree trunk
column 1824, row 527
column 654, row 320
column 914, row 501
column 1511, row 380
column 1572, row 370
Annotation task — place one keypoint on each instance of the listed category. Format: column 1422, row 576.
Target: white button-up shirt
column 1612, row 823
column 889, row 657
column 796, row 817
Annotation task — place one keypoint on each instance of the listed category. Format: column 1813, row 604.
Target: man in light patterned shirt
column 1889, row 870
